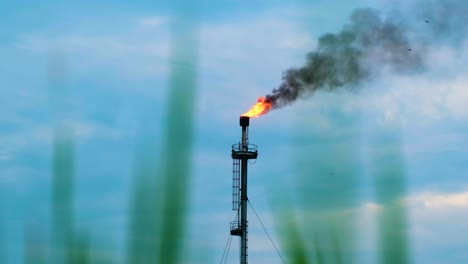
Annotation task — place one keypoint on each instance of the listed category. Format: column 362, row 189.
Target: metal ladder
column 235, row 184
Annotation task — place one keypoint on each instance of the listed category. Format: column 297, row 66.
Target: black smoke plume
column 364, row 47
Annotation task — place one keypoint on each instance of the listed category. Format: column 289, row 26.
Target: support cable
column 264, row 229
column 225, row 248
column 227, row 253
column 228, row 243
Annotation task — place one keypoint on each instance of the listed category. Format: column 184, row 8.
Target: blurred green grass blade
column 290, row 232
column 296, row 246
column 179, row 129
column 159, row 203
column 327, row 188
column 80, row 250
column 3, row 244
column 319, row 254
column 63, row 163
column 336, row 247
column 393, row 236
column 390, row 186
column 143, row 238
column 62, row 204
column 35, row 251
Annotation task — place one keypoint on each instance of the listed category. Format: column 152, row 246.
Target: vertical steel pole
column 243, row 246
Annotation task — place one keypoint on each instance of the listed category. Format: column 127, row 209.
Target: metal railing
column 239, row 147
column 235, row 225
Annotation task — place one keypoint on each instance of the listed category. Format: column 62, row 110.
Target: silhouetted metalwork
column 241, row 153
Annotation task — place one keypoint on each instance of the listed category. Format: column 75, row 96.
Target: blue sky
column 116, row 58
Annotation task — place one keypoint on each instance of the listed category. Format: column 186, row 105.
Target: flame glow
column 262, row 107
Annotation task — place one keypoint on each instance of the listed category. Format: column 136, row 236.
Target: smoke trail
column 364, row 47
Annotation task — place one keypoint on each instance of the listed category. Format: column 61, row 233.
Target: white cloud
column 439, row 92
column 457, row 97
column 6, row 155
column 152, row 21
column 130, row 53
column 372, row 207
column 85, row 129
column 240, row 58
column 427, row 201
column 435, row 220
column 428, row 98
column 440, row 201
column 243, row 58
column 439, row 224
column 33, row 135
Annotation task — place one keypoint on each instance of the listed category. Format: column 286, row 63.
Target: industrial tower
column 241, row 153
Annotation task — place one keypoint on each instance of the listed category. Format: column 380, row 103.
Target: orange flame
column 262, row 107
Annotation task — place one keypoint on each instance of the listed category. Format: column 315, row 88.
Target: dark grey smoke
column 363, row 48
